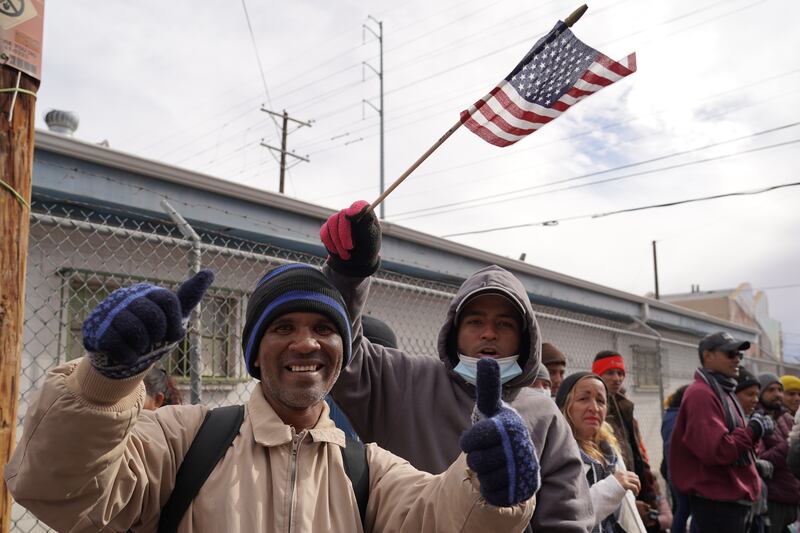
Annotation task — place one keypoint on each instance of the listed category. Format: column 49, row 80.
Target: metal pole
column 379, row 73
column 655, row 332
column 380, row 41
column 655, row 269
column 283, row 150
column 195, row 337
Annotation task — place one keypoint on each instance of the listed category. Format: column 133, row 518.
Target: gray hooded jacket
column 417, row 407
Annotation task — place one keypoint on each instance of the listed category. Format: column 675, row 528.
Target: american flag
column 558, row 72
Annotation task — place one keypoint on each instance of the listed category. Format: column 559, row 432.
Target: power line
column 342, row 89
column 456, row 206
column 555, row 222
column 437, row 100
column 776, row 287
column 414, row 83
column 258, row 56
column 260, row 70
column 564, row 138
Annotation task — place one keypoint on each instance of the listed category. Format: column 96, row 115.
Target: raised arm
column 87, row 460
column 376, row 379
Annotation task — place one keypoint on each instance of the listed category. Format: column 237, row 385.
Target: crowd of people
column 347, row 432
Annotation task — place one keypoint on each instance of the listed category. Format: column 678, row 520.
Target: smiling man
column 90, row 459
column 711, row 455
column 417, row 406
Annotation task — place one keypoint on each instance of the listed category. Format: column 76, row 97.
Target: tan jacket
column 91, row 460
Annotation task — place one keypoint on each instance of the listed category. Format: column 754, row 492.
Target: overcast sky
column 179, row 82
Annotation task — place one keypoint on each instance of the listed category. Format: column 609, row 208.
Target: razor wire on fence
column 77, row 256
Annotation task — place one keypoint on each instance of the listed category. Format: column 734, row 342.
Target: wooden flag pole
column 575, row 16
column 569, row 21
column 413, row 167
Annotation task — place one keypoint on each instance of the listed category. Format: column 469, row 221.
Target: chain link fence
column 77, row 256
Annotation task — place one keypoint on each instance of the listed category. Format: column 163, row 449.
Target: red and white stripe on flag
column 503, row 116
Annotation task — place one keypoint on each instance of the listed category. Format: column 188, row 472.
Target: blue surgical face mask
column 468, row 368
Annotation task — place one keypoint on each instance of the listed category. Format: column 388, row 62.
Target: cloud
column 182, row 84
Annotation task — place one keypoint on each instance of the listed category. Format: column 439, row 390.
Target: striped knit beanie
column 291, row 288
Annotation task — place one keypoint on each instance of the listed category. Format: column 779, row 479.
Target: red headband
column 607, row 363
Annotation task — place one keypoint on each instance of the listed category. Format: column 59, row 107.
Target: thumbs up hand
column 135, row 326
column 499, row 448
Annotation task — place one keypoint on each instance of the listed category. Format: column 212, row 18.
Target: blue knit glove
column 499, row 448
column 135, row 326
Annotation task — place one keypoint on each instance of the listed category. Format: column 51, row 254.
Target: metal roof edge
column 60, row 144
column 514, row 265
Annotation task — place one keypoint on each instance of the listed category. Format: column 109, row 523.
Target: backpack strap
column 209, row 446
column 354, row 455
column 215, row 436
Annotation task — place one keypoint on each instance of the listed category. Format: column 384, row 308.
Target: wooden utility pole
column 16, row 166
column 282, row 150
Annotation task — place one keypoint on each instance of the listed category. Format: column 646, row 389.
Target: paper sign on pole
column 21, row 28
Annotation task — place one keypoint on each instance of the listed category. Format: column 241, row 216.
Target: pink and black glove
column 353, row 243
column 499, row 448
column 135, row 326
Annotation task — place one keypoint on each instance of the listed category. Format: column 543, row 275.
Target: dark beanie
column 569, row 382
column 768, row 378
column 291, row 288
column 552, row 355
column 745, row 379
column 378, row 332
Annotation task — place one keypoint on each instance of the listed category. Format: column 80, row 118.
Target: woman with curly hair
column 583, row 399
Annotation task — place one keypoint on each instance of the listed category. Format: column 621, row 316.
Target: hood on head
column 498, row 279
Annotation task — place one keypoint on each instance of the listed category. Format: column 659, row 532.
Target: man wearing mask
column 783, row 489
column 711, row 453
column 417, row 406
